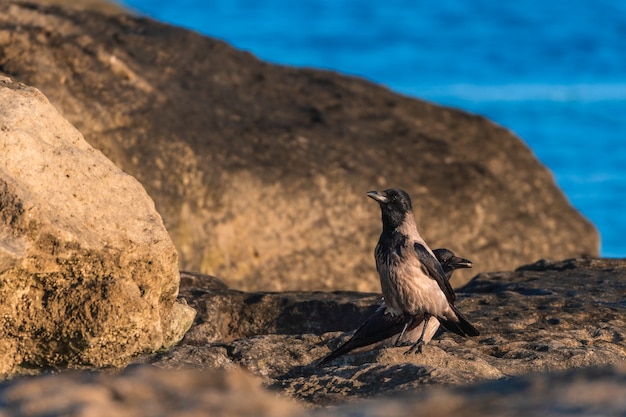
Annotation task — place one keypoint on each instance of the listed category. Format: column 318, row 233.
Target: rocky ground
column 552, row 344
column 596, row 391
column 543, row 317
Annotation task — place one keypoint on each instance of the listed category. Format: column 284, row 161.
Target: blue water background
column 554, row 72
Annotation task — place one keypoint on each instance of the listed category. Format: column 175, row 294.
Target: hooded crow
column 382, row 326
column 412, row 279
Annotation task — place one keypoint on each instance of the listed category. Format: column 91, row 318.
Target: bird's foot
column 416, row 348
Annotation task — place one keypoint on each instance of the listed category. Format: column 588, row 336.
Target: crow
column 412, row 280
column 382, row 326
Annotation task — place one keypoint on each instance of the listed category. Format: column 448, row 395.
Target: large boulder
column 88, row 273
column 260, row 171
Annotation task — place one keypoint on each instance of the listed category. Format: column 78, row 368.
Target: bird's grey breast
column 389, row 255
column 406, row 285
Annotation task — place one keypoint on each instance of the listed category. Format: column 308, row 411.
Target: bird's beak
column 379, row 197
column 458, row 262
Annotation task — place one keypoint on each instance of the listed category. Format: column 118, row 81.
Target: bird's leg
column 397, row 343
column 417, row 346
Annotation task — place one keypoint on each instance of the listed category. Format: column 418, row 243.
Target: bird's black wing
column 378, row 327
column 432, row 268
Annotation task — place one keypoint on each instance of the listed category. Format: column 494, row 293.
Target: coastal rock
column 543, row 317
column 259, row 170
column 103, row 6
column 145, row 391
column 88, row 273
column 552, row 343
column 594, row 391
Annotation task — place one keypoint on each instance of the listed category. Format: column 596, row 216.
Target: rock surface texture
column 144, row 391
column 552, row 344
column 88, row 273
column 260, row 171
column 544, row 317
column 595, row 391
column 103, row 6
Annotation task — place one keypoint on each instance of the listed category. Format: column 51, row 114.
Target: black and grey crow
column 412, row 279
column 381, row 325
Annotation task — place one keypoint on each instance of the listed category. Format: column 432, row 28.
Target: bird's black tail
column 462, row 327
column 334, row 354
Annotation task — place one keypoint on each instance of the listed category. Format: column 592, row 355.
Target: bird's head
column 395, row 205
column 449, row 261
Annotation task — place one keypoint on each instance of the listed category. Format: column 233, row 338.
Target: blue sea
column 553, row 72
